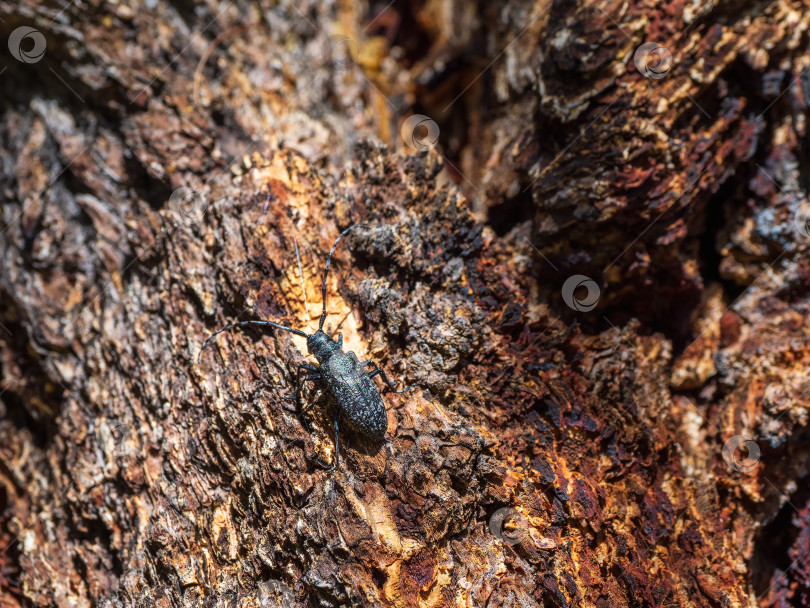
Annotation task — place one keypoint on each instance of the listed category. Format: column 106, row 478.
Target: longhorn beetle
column 345, row 376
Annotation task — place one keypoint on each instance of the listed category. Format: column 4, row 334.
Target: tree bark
column 587, row 252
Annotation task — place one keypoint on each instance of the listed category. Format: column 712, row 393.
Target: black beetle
column 346, row 378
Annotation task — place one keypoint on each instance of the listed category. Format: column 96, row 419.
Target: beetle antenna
column 297, row 332
column 326, row 272
column 303, row 286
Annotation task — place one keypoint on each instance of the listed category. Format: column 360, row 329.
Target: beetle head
column 321, row 345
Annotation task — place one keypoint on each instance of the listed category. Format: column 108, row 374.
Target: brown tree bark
column 588, row 252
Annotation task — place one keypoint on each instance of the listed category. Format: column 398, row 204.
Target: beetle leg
column 299, row 385
column 379, row 370
column 337, row 444
column 310, row 368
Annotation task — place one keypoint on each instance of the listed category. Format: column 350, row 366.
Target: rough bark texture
column 160, row 166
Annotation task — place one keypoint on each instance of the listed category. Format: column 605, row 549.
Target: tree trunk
column 584, row 236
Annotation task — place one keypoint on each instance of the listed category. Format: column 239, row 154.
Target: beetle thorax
column 321, row 345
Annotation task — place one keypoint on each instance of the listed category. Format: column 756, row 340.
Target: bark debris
column 588, row 252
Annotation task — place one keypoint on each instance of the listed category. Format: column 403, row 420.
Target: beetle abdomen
column 365, row 413
column 356, row 395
